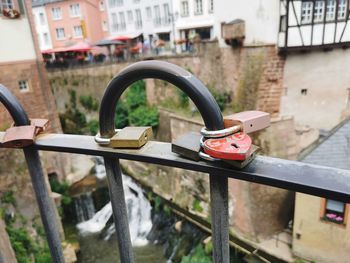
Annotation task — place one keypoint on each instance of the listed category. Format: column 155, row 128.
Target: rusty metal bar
column 290, row 175
column 45, row 203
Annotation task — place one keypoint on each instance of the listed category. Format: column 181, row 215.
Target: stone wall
column 251, row 75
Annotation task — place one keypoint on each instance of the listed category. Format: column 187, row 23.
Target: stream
column 96, row 231
column 153, row 232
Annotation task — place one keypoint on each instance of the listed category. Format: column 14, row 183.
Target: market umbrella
column 108, row 42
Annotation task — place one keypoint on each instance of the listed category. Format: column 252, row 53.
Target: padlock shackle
column 13, row 106
column 171, row 73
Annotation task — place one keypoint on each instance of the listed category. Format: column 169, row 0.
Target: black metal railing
column 306, row 178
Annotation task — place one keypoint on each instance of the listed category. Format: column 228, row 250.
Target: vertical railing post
column 213, row 120
column 45, row 203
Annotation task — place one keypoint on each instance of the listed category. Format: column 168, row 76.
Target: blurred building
column 151, row 21
column 65, row 23
column 21, row 66
column 321, row 231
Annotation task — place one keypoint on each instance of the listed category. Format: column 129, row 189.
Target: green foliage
column 197, row 256
column 183, row 99
column 136, row 95
column 73, row 120
column 21, row 243
column 72, row 98
column 121, row 116
column 88, row 102
column 24, row 246
column 222, row 97
column 208, row 248
column 144, row 116
column 93, row 127
column 157, row 203
column 61, row 188
column 196, row 205
column 8, row 198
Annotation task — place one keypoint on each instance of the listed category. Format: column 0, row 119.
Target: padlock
column 241, row 164
column 131, row 137
column 236, row 146
column 248, row 121
column 19, row 136
column 188, row 145
column 40, row 124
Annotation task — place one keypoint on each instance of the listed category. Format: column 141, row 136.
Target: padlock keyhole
column 235, row 145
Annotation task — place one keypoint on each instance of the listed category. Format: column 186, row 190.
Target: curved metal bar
column 45, row 203
column 177, row 76
column 213, row 120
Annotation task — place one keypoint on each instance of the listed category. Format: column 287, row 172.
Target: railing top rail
column 296, row 176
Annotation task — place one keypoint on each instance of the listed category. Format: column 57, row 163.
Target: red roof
column 78, row 47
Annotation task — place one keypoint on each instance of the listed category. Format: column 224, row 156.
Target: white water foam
column 138, row 207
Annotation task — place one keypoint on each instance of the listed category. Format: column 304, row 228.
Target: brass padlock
column 19, row 136
column 131, row 137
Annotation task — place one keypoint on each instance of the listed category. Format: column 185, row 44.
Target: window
column 122, row 21
column 119, row 2
column 306, row 12
column 23, row 85
column 41, row 19
column 114, row 22
column 60, row 33
column 5, row 5
column 342, row 9
column 211, row 6
column 56, row 13
column 334, row 211
column 184, row 8
column 130, row 16
column 198, row 7
column 102, row 6
column 74, row 10
column 46, row 39
column 78, row 31
column 149, row 13
column 330, row 10
column 157, row 19
column 319, row 10
column 104, row 26
column 166, row 14
column 112, row 3
column 138, row 18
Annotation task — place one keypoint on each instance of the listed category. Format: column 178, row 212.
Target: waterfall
column 138, row 208
column 84, row 207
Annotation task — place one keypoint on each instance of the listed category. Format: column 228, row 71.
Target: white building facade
column 42, row 27
column 153, row 20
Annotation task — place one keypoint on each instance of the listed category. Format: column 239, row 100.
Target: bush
column 144, row 116
column 88, row 102
column 121, row 116
column 61, row 188
column 197, row 256
column 222, row 97
column 8, row 198
column 183, row 99
column 136, row 95
column 93, row 126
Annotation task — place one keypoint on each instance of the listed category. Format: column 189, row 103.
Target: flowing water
column 97, row 236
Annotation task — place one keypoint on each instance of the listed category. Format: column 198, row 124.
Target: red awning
column 124, row 37
column 78, row 47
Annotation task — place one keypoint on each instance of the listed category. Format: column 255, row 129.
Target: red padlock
column 236, row 146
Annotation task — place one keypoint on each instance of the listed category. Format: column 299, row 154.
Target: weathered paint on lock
column 234, row 147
